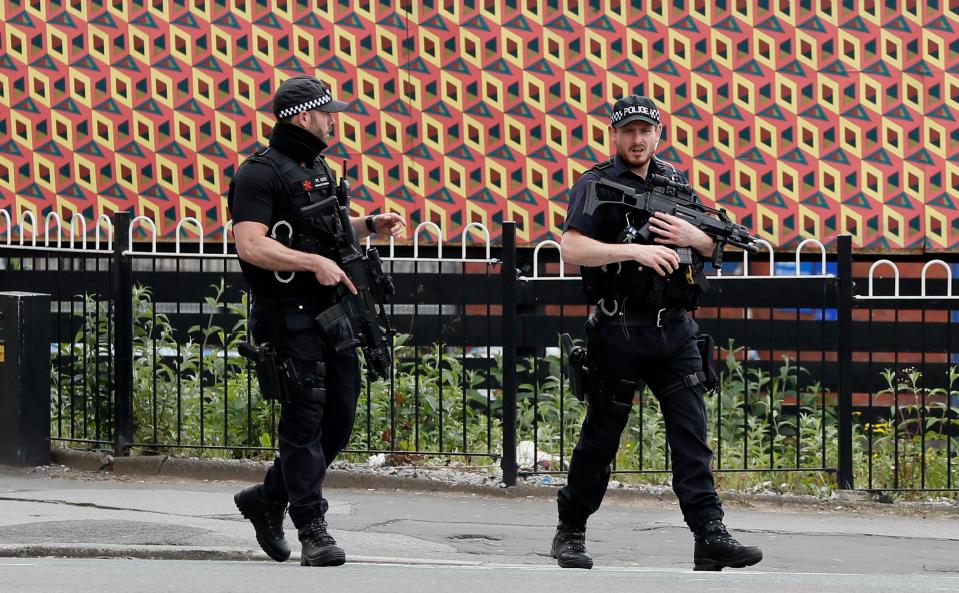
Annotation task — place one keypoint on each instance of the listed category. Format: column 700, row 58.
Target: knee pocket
column 614, row 393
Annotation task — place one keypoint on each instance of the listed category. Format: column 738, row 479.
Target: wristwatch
column 369, row 224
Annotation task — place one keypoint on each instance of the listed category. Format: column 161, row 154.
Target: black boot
column 716, row 549
column 267, row 519
column 319, row 547
column 569, row 547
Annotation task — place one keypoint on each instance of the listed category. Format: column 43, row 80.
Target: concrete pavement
column 72, row 513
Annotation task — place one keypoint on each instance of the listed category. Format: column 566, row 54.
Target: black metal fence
column 819, row 374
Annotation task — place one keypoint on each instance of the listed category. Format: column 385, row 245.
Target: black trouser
column 660, row 356
column 311, row 432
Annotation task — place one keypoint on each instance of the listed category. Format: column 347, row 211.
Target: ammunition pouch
column 308, row 384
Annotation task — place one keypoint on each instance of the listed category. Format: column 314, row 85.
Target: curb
column 129, row 551
column 142, row 552
column 253, row 471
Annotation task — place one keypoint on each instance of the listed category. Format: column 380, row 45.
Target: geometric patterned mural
column 803, row 119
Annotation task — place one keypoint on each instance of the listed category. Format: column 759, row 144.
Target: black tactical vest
column 288, row 226
column 644, row 288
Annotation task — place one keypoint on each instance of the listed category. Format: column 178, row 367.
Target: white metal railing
column 46, row 228
column 83, row 231
column 871, row 295
column 153, row 234
column 9, row 226
column 562, row 266
column 227, row 228
column 772, row 260
column 466, row 230
column 199, row 226
column 822, row 253
column 28, row 218
column 103, row 231
column 33, row 227
column 416, row 239
column 948, row 269
column 96, row 232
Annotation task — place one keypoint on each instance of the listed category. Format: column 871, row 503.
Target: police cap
column 304, row 93
column 633, row 108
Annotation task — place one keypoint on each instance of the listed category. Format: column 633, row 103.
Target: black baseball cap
column 304, row 93
column 633, row 108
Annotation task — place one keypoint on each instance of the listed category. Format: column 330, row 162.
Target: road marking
column 18, row 564
column 700, row 575
column 412, row 561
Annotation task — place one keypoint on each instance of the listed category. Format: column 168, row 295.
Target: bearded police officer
column 640, row 332
column 289, row 264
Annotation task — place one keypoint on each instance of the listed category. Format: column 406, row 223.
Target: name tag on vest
column 311, row 184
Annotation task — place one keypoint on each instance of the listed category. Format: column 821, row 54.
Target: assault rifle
column 678, row 199
column 372, row 330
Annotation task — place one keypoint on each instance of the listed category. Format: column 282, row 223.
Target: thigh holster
column 706, row 378
column 707, row 352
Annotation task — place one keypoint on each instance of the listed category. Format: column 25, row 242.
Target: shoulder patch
column 600, row 168
column 603, row 165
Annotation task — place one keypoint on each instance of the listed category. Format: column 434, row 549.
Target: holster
column 279, row 378
column 707, row 352
column 578, row 369
column 586, row 383
column 268, row 371
column 705, row 379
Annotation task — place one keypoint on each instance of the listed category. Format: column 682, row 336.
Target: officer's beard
column 634, row 161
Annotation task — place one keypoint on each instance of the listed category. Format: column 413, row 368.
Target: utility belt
column 292, row 304
column 613, row 310
column 299, row 314
column 282, row 378
column 588, row 384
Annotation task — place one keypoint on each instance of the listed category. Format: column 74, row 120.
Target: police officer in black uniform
column 640, row 332
column 289, row 263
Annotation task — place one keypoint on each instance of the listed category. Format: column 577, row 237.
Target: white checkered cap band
column 311, row 104
column 640, row 110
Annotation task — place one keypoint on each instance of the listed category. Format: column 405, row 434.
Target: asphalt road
column 91, row 533
column 53, row 575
